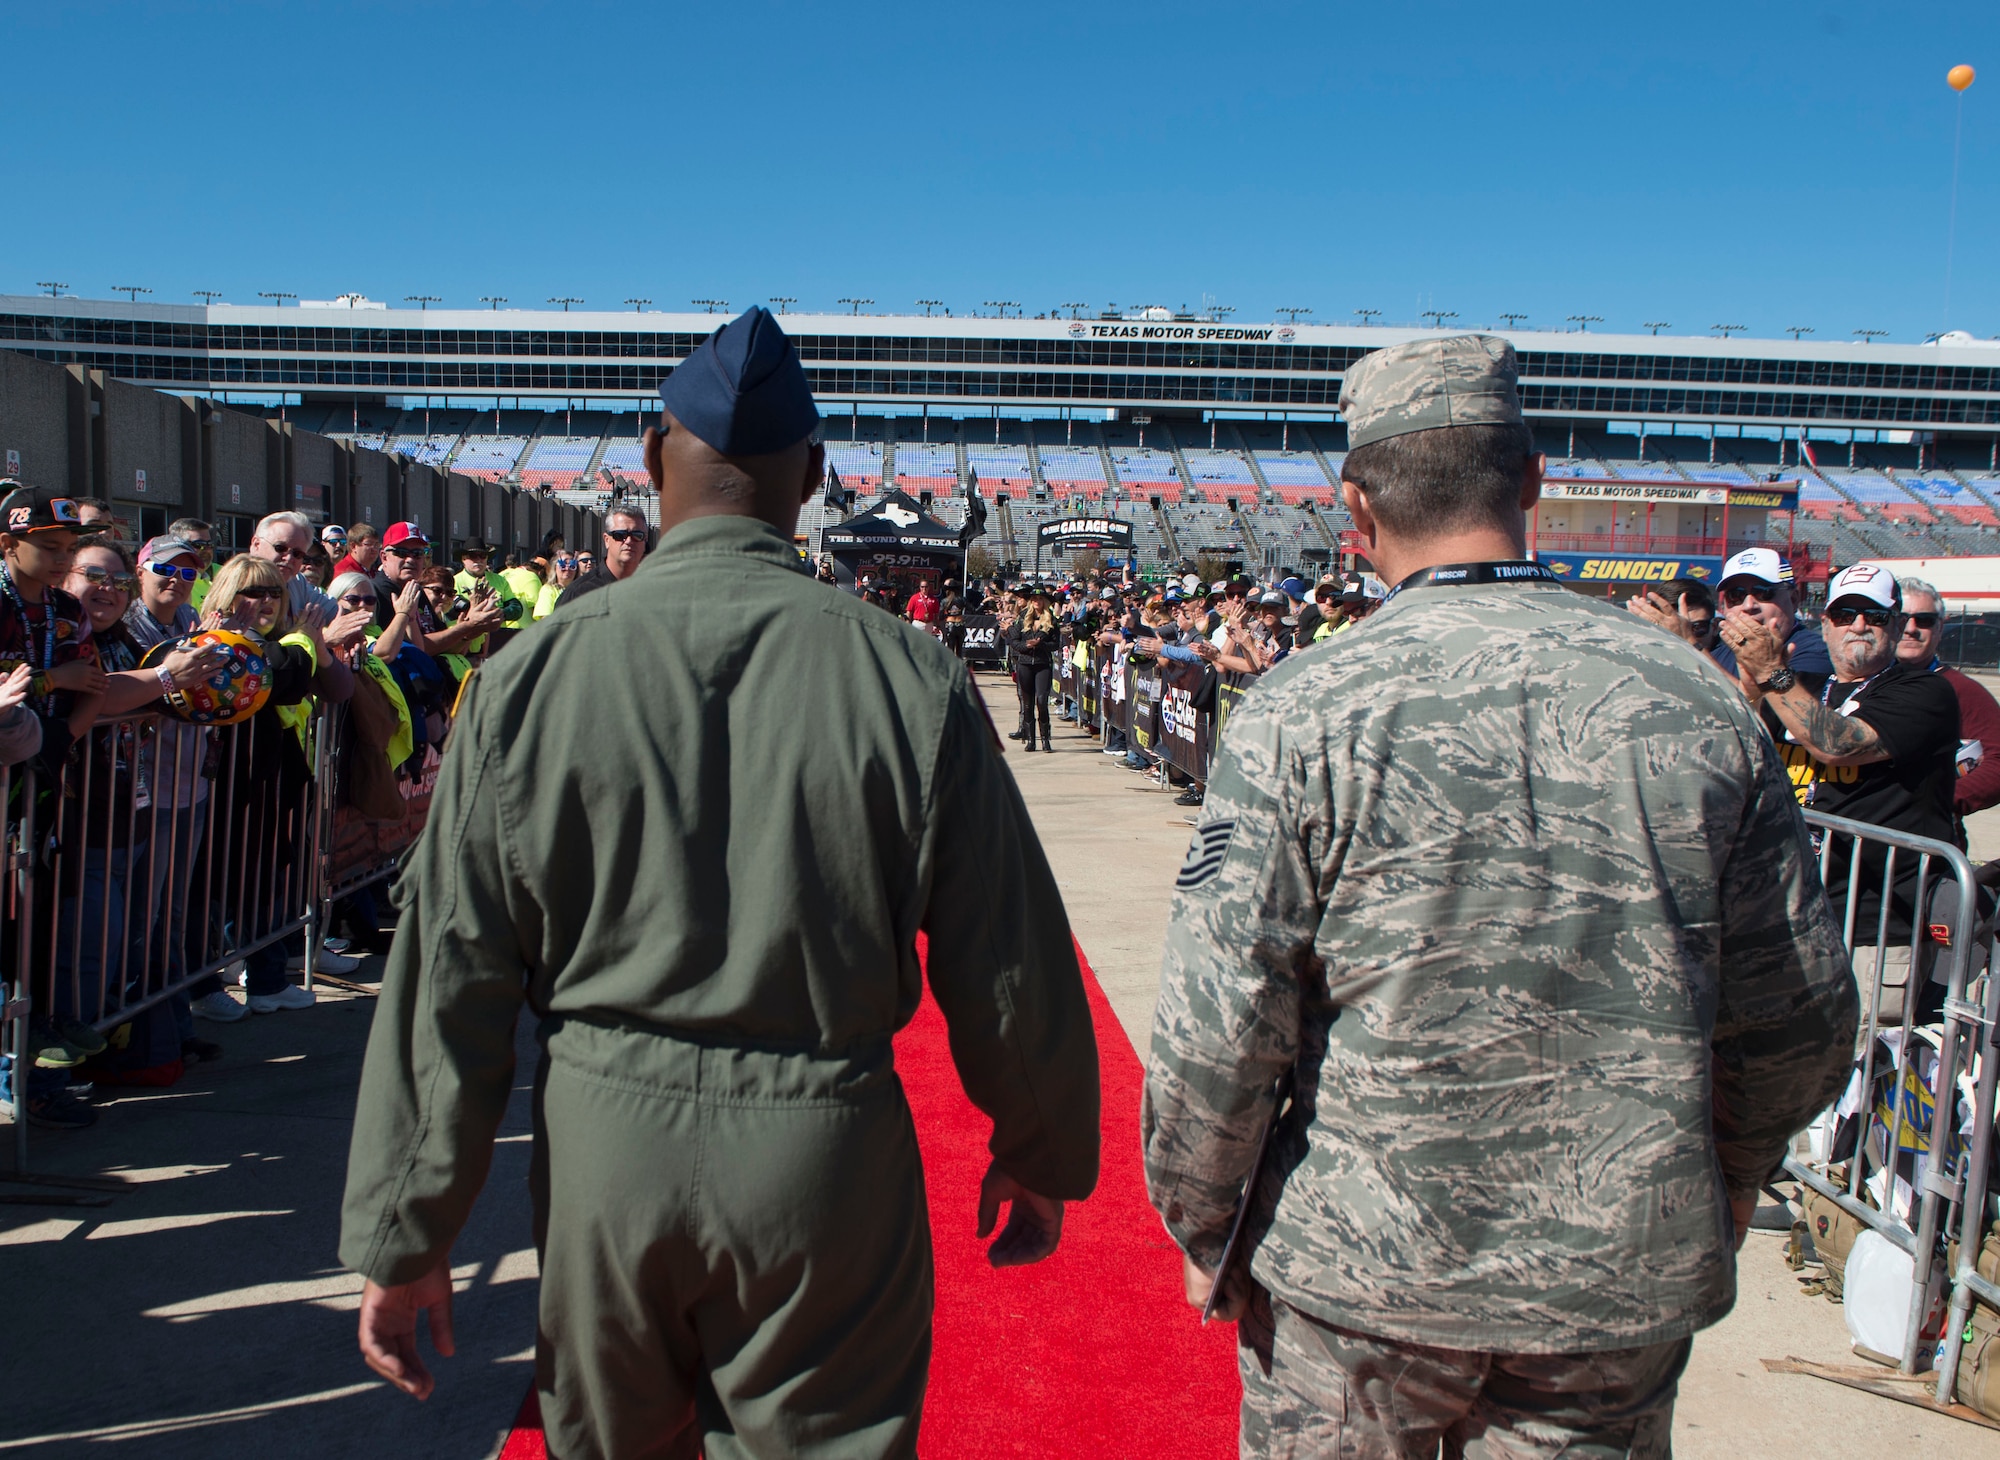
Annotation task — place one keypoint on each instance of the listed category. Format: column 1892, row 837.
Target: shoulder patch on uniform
column 1204, row 857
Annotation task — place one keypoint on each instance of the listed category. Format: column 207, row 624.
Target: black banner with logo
column 982, row 640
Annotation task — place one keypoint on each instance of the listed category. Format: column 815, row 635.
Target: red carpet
column 1093, row 1352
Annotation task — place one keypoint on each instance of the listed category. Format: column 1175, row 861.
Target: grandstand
column 489, row 457
column 557, row 461
column 928, row 467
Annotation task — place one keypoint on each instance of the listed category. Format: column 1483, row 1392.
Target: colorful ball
column 231, row 695
column 1959, row 77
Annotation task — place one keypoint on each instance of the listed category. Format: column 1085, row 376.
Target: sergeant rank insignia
column 1204, row 858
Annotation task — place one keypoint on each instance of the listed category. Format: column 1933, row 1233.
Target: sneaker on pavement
column 333, row 963
column 50, row 1053
column 60, row 1112
column 219, row 1008
column 1188, row 798
column 79, row 1035
column 291, row 996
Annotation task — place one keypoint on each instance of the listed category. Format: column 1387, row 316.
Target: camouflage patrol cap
column 1462, row 380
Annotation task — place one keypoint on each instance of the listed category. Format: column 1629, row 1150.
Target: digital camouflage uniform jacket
column 715, row 803
column 1519, row 883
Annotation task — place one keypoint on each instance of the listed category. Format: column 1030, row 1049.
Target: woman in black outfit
column 1032, row 644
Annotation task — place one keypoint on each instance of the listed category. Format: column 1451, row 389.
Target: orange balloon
column 1958, row 77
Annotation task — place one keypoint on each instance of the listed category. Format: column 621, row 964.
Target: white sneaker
column 219, row 1007
column 291, row 996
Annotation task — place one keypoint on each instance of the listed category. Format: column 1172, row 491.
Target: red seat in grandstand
column 1972, row 515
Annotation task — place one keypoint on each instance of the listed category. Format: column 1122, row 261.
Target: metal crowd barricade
column 102, row 889
column 1934, row 881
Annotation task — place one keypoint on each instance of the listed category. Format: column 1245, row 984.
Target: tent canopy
column 892, row 539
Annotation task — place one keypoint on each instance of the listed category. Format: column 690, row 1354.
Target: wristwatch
column 1781, row 680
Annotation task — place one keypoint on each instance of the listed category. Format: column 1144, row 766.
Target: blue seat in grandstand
column 489, row 456
column 1001, row 469
column 928, row 466
column 626, row 454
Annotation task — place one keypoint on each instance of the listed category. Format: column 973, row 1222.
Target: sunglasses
column 259, row 595
column 627, row 534
column 1744, row 595
column 289, row 552
column 1924, row 621
column 407, row 552
column 168, row 570
column 586, row 562
column 358, row 600
column 565, row 562
column 105, row 578
column 1875, row 618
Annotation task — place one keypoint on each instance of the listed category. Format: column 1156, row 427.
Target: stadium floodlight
column 784, row 301
column 1437, row 317
column 1583, row 322
column 1221, row 311
column 276, row 296
column 1073, row 306
column 1369, row 316
column 50, row 285
column 857, row 303
column 422, row 301
column 565, row 300
column 638, row 305
column 496, row 300
column 929, row 305
column 711, row 306
column 1656, row 325
column 207, row 296
column 1725, row 330
column 1797, row 331
column 1294, row 310
column 1867, row 335
column 1513, row 320
column 1001, row 306
column 135, row 290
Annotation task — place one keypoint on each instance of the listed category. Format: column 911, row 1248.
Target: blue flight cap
column 742, row 390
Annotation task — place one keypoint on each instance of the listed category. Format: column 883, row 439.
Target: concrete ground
column 204, row 1307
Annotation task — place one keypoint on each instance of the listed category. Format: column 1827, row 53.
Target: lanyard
column 1461, row 575
column 48, row 625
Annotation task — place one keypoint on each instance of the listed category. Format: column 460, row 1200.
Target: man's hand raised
column 389, row 1328
column 1034, row 1225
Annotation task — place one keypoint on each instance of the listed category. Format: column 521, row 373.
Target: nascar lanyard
column 1462, row 575
column 48, row 624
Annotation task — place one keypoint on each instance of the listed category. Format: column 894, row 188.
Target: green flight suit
column 697, row 821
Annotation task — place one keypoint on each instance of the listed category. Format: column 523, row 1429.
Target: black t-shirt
column 1915, row 715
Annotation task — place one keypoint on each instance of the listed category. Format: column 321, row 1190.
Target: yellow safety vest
column 298, row 718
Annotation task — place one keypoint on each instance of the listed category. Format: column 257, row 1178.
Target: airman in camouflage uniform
column 1517, row 885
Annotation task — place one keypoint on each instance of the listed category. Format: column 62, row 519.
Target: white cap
column 1218, row 585
column 1191, row 583
column 1866, row 580
column 1108, row 593
column 1371, row 588
column 1759, row 563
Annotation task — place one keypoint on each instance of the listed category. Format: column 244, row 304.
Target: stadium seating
column 859, row 464
column 557, row 461
column 999, row 469
column 1950, row 499
column 424, row 450
column 626, row 455
column 1871, row 489
column 1073, row 471
column 491, row 457
column 929, row 467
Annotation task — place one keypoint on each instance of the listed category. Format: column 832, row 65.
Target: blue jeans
column 101, row 961
column 176, row 864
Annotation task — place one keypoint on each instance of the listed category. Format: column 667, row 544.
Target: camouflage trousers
column 1315, row 1392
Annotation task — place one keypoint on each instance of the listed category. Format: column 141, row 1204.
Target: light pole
column 638, row 305
column 276, row 296
column 1437, row 317
column 1073, row 306
column 565, row 300
column 135, row 290
column 711, row 306
column 1583, row 322
column 1221, row 311
column 1294, row 310
column 857, row 303
column 1867, row 335
column 1369, row 316
column 1513, row 320
column 784, row 302
column 207, row 296
column 1725, row 330
column 422, row 301
column 496, row 300
column 929, row 305
column 1656, row 325
column 1797, row 331
column 50, row 285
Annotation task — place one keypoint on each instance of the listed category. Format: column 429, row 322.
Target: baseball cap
column 1352, row 590
column 160, row 549
column 1108, row 593
column 1274, row 600
column 1867, row 581
column 333, row 529
column 1374, row 590
column 1240, row 584
column 399, row 533
column 1461, row 380
column 1191, row 583
column 1760, row 563
column 34, row 509
column 1293, row 588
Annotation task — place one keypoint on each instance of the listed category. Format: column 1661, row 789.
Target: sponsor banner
column 1571, row 491
column 1282, row 334
column 982, row 639
column 1779, row 496
column 1593, row 568
column 1086, row 532
column 1183, row 723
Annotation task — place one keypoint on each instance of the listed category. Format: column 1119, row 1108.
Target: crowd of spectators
column 171, row 840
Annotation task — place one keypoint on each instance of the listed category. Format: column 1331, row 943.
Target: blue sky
column 1762, row 164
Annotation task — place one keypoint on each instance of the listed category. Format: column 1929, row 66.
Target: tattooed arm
column 1833, row 738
